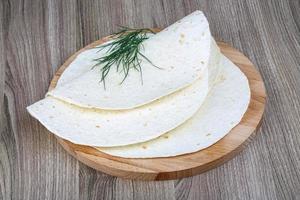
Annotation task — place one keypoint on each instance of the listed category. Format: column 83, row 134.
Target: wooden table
column 37, row 36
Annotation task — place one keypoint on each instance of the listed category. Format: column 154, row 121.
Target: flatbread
column 182, row 51
column 95, row 127
column 222, row 110
column 80, row 65
column 83, row 62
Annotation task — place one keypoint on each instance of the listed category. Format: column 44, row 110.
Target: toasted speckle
column 202, row 62
column 166, row 136
column 222, row 78
column 144, row 147
column 97, row 126
column 182, row 35
column 208, row 134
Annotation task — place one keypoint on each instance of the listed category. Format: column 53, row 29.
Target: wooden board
column 185, row 165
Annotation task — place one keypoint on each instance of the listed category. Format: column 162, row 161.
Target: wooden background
column 37, row 36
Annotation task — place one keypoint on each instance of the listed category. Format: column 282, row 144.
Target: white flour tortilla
column 83, row 62
column 97, row 127
column 183, row 50
column 222, row 110
column 80, row 65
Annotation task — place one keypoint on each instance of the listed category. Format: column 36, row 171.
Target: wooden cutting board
column 185, row 165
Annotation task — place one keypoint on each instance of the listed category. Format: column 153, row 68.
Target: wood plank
column 36, row 167
column 266, row 31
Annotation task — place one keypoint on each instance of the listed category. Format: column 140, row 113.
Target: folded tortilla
column 96, row 127
column 182, row 51
column 222, row 110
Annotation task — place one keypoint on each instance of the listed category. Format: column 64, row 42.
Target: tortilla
column 104, row 128
column 222, row 110
column 80, row 65
column 182, row 51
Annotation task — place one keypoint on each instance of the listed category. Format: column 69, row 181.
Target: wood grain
column 185, row 165
column 36, row 37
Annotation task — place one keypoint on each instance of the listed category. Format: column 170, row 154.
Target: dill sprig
column 124, row 52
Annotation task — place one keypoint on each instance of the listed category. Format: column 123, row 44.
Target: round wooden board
column 185, row 165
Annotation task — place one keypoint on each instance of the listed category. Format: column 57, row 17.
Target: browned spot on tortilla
column 182, row 35
column 208, row 134
column 202, row 62
column 222, row 78
column 144, row 147
column 97, row 126
column 166, row 136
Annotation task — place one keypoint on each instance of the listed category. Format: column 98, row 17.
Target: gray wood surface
column 37, row 36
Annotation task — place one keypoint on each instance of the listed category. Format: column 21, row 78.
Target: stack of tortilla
column 190, row 101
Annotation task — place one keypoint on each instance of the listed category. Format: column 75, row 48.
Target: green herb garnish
column 124, row 52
